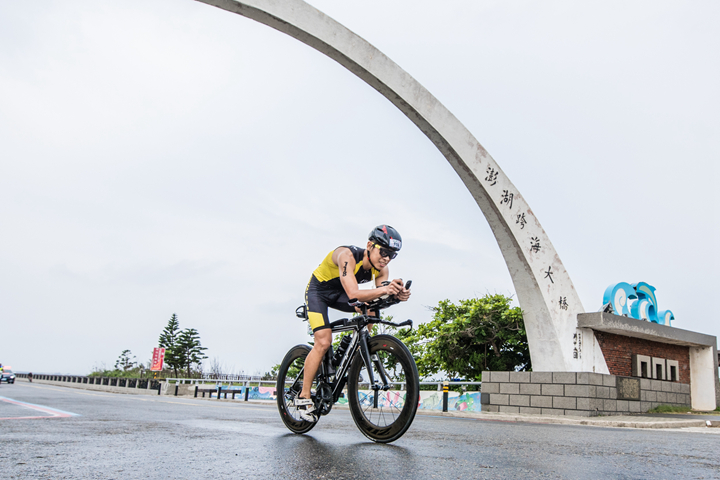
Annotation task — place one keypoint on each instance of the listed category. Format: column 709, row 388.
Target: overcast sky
column 170, row 157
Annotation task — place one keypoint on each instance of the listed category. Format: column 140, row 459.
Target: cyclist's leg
column 323, row 340
column 342, row 304
column 318, row 319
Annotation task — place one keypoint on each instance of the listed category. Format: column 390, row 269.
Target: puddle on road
column 331, row 432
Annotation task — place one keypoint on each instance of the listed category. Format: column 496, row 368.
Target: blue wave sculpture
column 644, row 307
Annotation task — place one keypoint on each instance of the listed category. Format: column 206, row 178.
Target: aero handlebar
column 376, row 305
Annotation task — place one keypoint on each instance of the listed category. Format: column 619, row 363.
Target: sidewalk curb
column 635, row 421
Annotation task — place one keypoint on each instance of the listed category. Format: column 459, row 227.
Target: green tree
column 169, row 341
column 292, row 372
column 272, row 374
column 125, row 361
column 468, row 338
column 189, row 350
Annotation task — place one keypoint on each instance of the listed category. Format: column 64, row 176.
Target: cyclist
column 334, row 282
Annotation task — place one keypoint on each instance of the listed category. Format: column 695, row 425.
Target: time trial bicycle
column 379, row 372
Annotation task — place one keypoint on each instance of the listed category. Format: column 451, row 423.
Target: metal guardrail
column 202, row 381
column 227, row 377
column 210, row 386
column 216, row 387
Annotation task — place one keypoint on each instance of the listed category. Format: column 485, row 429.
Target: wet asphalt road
column 138, row 436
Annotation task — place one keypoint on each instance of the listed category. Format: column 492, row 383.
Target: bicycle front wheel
column 291, row 368
column 384, row 415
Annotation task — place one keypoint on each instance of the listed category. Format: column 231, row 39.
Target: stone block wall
column 619, row 349
column 577, row 393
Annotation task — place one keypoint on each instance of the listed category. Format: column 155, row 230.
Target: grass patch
column 670, row 409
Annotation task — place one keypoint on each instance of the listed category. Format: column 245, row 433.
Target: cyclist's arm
column 345, row 261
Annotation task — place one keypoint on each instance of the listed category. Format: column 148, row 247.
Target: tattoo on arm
column 345, row 269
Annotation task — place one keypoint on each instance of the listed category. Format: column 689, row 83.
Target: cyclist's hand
column 404, row 294
column 394, row 287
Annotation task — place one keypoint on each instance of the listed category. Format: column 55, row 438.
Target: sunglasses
column 386, row 252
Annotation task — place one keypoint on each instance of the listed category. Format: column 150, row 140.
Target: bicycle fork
column 369, row 360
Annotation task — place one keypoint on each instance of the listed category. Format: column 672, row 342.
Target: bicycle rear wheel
column 290, row 368
column 384, row 416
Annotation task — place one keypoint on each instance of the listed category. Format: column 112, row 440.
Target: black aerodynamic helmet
column 386, row 236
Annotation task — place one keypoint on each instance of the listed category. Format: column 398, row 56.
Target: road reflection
column 313, row 456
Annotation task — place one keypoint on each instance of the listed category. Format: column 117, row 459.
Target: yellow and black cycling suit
column 325, row 289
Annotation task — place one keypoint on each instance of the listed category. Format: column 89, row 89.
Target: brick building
column 649, row 365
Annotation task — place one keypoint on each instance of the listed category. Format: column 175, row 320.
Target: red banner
column 158, row 359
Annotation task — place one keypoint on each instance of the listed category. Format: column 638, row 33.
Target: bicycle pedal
column 306, row 410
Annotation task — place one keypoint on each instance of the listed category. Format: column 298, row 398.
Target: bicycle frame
column 358, row 343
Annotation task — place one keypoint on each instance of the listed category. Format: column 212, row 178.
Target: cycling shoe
column 305, row 408
column 308, row 417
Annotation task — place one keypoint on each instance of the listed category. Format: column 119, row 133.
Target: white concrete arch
column 544, row 289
